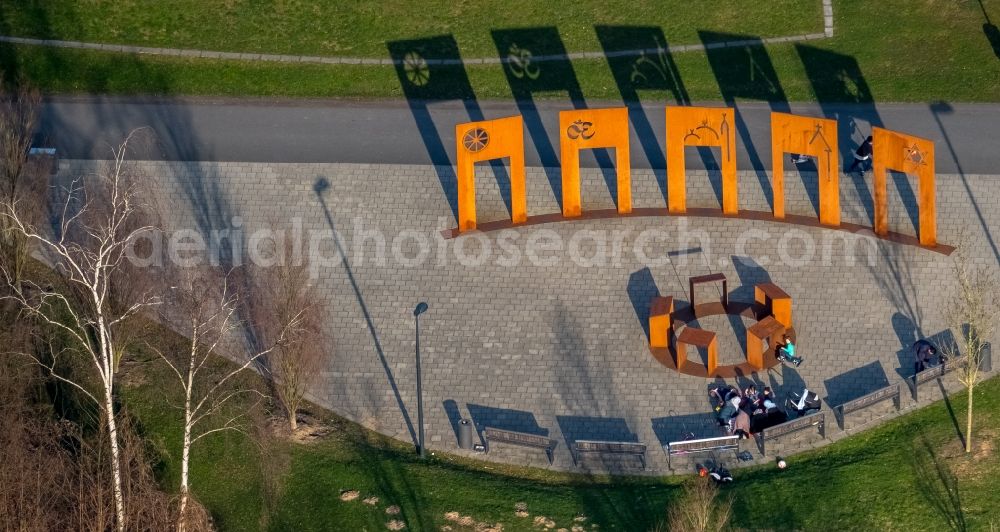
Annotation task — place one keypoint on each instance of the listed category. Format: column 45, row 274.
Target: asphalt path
column 399, row 132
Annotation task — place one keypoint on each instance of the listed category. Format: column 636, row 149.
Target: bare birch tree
column 209, row 309
column 92, row 226
column 273, row 296
column 973, row 314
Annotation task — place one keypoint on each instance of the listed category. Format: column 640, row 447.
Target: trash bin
column 465, row 434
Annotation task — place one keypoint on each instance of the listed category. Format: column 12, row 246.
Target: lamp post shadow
column 319, row 187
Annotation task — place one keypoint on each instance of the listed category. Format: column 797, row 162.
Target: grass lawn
column 359, row 28
column 898, row 50
column 909, row 474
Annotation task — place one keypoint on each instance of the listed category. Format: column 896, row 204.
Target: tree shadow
column 430, row 70
column 652, row 70
column 937, row 484
column 743, row 70
column 893, row 274
column 518, row 49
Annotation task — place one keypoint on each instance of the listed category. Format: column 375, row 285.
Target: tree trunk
column 186, row 447
column 293, row 423
column 968, row 423
column 185, row 460
column 116, row 472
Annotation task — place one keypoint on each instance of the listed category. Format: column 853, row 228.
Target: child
column 786, row 352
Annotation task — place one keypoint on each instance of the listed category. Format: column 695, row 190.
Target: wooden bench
column 884, row 394
column 816, row 419
column 930, row 374
column 768, row 329
column 775, row 301
column 519, row 438
column 710, row 278
column 704, row 445
column 696, row 337
column 609, row 447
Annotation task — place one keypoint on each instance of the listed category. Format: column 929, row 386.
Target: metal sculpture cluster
column 694, row 126
column 671, row 332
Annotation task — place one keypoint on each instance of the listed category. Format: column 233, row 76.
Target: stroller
column 803, row 403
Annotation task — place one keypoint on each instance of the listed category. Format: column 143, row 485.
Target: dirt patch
column 395, row 524
column 970, row 466
column 308, row 428
column 349, row 495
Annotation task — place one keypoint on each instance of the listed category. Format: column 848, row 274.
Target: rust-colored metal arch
column 482, row 141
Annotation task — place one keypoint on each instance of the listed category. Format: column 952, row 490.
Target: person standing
column 862, row 156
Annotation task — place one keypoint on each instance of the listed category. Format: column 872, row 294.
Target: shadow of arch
column 431, row 70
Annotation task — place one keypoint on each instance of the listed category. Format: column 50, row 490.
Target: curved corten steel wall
column 593, row 128
column 482, row 141
column 700, row 126
column 913, row 155
column 816, row 137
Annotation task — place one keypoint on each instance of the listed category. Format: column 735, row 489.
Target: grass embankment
column 909, row 474
column 905, row 51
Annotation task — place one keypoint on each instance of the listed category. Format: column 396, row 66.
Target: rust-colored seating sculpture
column 661, row 324
column 699, row 338
column 772, row 309
column 710, row 278
column 775, row 302
column 767, row 330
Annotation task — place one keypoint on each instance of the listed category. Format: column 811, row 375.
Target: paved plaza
column 525, row 337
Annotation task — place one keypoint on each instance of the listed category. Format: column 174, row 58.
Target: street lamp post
column 421, row 308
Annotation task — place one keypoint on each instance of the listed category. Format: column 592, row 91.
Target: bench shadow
column 855, row 383
column 677, row 427
column 504, row 419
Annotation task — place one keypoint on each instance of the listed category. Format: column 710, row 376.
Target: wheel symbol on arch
column 416, row 69
column 475, row 139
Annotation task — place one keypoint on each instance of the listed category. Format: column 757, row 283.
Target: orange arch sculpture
column 593, row 128
column 913, row 155
column 483, row 141
column 816, row 137
column 700, row 126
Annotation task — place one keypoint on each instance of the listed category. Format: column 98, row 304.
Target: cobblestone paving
column 557, row 346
